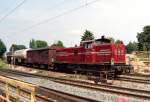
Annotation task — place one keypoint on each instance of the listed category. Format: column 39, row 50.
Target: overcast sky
column 121, row 19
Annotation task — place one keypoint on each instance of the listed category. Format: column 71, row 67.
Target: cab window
column 88, row 45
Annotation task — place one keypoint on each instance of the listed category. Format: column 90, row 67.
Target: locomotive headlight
column 52, row 59
column 112, row 61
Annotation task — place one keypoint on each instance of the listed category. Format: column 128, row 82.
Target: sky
column 120, row 19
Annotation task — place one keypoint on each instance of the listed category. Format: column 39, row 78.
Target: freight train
column 99, row 57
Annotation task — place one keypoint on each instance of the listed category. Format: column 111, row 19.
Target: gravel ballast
column 96, row 95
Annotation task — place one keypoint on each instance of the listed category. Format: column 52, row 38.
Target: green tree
column 32, row 44
column 2, row 48
column 87, row 36
column 111, row 39
column 140, row 47
column 131, row 46
column 60, row 43
column 144, row 38
column 118, row 41
column 15, row 47
column 40, row 44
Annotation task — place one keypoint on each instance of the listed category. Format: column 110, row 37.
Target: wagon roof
column 44, row 48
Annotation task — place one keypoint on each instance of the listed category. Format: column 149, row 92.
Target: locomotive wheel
column 124, row 71
column 127, row 70
column 132, row 71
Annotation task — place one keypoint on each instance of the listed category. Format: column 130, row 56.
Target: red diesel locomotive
column 99, row 57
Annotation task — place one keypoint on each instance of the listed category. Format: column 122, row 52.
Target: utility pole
column 12, row 57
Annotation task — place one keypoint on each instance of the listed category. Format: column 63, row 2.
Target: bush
column 3, row 64
column 146, row 71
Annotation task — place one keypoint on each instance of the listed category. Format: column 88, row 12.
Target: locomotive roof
column 87, row 41
column 102, row 39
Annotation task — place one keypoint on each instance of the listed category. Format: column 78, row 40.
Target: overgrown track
column 141, row 94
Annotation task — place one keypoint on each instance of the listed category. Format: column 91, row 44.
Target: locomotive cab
column 103, row 40
column 91, row 43
column 87, row 44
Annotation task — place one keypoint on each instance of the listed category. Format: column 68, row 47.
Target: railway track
column 134, row 78
column 54, row 96
column 40, row 94
column 140, row 94
column 140, row 75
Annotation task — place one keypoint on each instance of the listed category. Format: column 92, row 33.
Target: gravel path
column 96, row 95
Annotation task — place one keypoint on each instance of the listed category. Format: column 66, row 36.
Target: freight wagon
column 44, row 57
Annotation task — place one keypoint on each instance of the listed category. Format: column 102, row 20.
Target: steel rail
column 50, row 95
column 91, row 86
column 134, row 79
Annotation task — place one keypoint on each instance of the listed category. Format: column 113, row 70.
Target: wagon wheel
column 55, row 68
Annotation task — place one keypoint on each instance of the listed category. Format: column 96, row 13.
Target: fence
column 12, row 90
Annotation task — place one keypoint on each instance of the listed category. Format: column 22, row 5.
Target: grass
column 144, row 59
column 3, row 64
